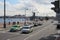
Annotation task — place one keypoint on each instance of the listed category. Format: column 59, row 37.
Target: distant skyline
column 15, row 7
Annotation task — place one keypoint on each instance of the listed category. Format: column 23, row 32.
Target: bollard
column 9, row 23
column 14, row 23
column 17, row 22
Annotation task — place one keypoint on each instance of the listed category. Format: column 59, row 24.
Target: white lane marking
column 35, row 33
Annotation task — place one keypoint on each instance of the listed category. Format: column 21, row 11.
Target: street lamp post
column 4, row 15
column 25, row 14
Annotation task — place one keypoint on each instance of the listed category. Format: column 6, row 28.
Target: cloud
column 43, row 1
column 41, row 6
column 43, row 9
column 1, row 12
column 1, row 3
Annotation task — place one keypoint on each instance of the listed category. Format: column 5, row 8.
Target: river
column 12, row 20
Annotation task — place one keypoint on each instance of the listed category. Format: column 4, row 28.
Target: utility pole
column 4, row 14
column 25, row 15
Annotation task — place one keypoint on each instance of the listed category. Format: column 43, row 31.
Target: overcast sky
column 16, row 7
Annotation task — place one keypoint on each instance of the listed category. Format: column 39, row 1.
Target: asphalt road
column 38, row 32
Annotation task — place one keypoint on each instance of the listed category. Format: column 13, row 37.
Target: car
column 27, row 29
column 35, row 24
column 15, row 28
column 41, row 19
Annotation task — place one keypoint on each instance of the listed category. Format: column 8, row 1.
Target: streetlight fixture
column 4, row 15
column 25, row 14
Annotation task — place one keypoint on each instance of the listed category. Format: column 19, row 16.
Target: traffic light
column 56, row 8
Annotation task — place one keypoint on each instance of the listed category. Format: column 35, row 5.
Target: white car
column 27, row 29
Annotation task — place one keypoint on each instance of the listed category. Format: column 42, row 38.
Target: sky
column 18, row 7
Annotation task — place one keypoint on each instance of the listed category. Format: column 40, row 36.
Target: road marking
column 35, row 33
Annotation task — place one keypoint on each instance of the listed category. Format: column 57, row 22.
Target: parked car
column 15, row 28
column 35, row 24
column 27, row 29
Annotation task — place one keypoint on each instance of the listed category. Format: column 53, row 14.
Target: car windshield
column 14, row 26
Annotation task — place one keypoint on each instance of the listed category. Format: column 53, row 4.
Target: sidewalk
column 4, row 29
